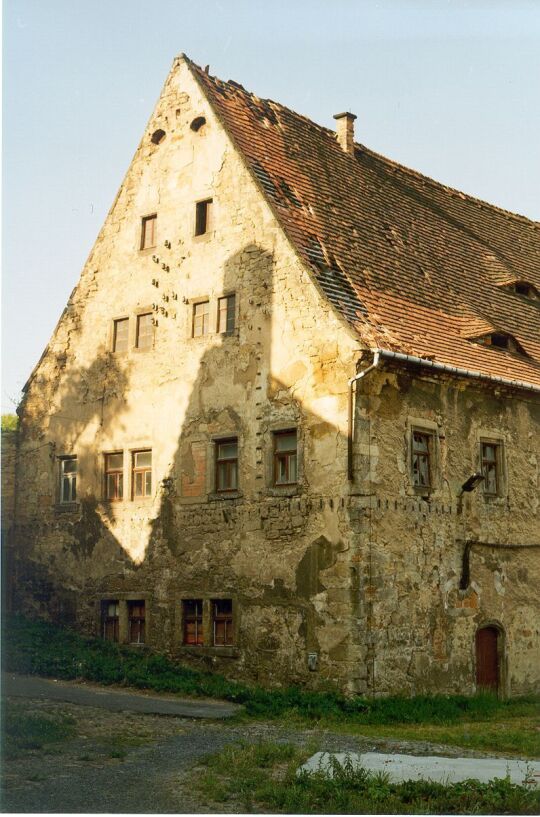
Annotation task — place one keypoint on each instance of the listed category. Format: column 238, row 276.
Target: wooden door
column 487, row 659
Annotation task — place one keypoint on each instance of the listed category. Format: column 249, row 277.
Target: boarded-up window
column 110, row 618
column 121, row 335
column 491, row 467
column 421, row 459
column 145, row 331
column 202, row 216
column 226, row 311
column 222, row 619
column 114, row 476
column 285, row 457
column 148, row 232
column 136, row 622
column 68, row 479
column 141, row 474
column 192, row 614
column 201, row 319
column 227, row 465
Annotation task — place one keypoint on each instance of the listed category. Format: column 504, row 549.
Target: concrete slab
column 437, row 769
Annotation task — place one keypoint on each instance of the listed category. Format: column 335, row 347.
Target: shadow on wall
column 196, row 540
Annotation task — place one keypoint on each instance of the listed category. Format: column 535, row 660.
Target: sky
column 448, row 87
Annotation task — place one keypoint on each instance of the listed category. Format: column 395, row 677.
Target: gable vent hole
column 158, row 136
column 197, row 123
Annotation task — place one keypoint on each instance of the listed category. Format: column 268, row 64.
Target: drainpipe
column 352, row 392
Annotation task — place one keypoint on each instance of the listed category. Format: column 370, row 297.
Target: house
column 287, row 426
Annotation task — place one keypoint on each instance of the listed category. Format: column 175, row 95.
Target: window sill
column 67, row 507
column 284, row 490
column 220, row 652
column 225, row 495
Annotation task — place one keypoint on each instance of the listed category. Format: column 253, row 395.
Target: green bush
column 40, row 648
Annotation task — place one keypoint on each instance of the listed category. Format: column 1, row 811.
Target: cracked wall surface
column 364, row 575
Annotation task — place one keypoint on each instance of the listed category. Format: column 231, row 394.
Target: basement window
column 68, row 480
column 120, row 335
column 110, row 620
column 226, row 313
column 202, row 216
column 285, row 457
column 192, row 614
column 136, row 622
column 148, row 232
column 222, row 622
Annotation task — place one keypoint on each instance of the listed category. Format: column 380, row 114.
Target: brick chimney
column 345, row 131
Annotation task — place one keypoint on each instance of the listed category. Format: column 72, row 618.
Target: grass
column 24, row 732
column 479, row 722
column 263, row 777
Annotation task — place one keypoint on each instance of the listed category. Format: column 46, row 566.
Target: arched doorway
column 487, row 659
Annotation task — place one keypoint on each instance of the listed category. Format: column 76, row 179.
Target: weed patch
column 264, row 776
column 24, row 732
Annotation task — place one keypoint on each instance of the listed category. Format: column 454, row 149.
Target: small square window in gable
column 148, row 232
column 202, row 216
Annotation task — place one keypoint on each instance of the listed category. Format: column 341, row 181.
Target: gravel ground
column 134, row 762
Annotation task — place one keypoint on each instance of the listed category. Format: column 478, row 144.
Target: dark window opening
column 197, row 123
column 226, row 313
column 110, row 620
column 285, row 457
column 421, row 455
column 227, row 465
column 201, row 319
column 148, row 232
column 491, row 467
column 145, row 331
column 222, row 620
column 121, row 335
column 136, row 622
column 192, row 613
column 158, row 136
column 202, row 216
column 141, row 474
column 114, row 476
column 68, row 479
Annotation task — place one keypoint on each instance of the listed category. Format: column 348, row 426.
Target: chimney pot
column 345, row 131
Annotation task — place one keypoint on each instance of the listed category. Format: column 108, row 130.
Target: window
column 148, row 232
column 421, row 459
column 114, row 476
column 222, row 620
column 192, row 614
column 226, row 310
column 202, row 216
column 201, row 319
column 226, row 465
column 121, row 335
column 145, row 331
column 490, row 467
column 136, row 622
column 524, row 289
column 110, row 618
column 158, row 136
column 141, row 477
column 285, row 457
column 68, row 479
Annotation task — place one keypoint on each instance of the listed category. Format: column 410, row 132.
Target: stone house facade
column 287, row 426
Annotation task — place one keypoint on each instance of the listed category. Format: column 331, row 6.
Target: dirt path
column 127, row 761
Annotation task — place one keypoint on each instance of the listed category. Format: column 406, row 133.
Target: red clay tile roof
column 414, row 266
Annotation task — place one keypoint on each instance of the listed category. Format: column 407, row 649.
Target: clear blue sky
column 449, row 87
